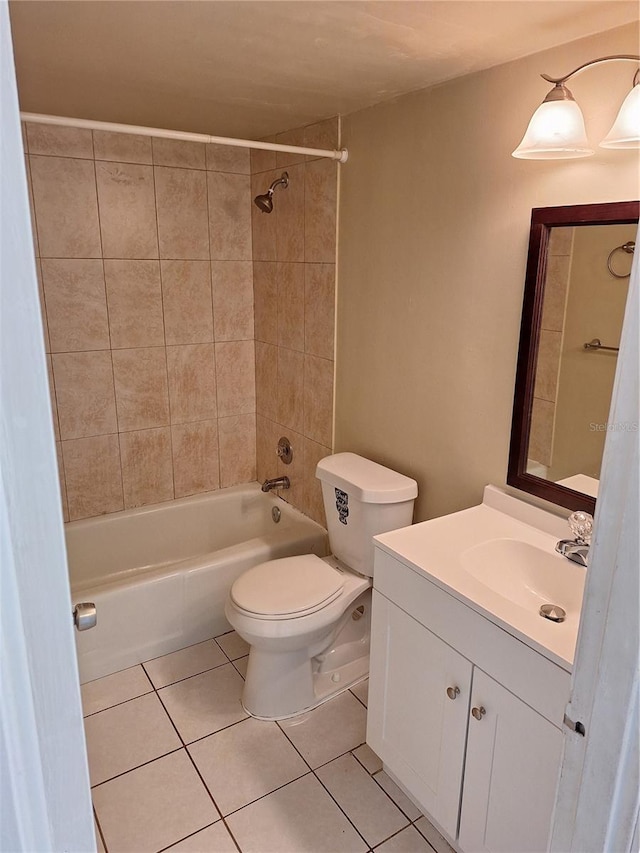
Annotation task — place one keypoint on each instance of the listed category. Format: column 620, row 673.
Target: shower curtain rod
column 341, row 156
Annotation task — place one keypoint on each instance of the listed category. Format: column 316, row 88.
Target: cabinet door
column 417, row 730
column 513, row 759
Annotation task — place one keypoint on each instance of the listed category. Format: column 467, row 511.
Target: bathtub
column 159, row 575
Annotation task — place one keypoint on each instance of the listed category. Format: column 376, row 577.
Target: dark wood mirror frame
column 542, row 220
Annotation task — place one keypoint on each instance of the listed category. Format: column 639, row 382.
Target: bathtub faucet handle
column 276, row 483
column 85, row 615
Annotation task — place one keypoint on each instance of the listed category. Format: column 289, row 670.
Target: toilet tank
column 361, row 500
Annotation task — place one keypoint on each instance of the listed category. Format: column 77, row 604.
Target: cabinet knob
column 478, row 713
column 452, row 692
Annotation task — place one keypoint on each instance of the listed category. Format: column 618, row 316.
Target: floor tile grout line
column 186, row 677
column 118, row 704
column 191, row 834
column 99, row 828
column 373, row 776
column 341, row 809
column 268, row 794
column 195, row 766
column 402, row 830
column 277, row 722
column 358, row 698
column 137, row 767
column 213, row 799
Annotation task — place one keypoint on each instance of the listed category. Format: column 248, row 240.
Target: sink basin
column 499, row 558
column 525, row 574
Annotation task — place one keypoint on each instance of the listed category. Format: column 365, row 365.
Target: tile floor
column 176, row 764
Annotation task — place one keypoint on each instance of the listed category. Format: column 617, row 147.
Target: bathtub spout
column 276, row 483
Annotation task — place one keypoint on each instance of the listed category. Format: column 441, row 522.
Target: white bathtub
column 159, row 575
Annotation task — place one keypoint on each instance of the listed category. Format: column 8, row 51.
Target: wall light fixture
column 557, row 132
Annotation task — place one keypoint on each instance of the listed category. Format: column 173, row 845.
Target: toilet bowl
column 307, row 619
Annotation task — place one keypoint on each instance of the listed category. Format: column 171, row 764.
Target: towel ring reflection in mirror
column 629, row 248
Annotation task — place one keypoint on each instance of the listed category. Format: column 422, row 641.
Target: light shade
column 556, row 132
column 625, row 132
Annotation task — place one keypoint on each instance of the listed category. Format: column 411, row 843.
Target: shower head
column 264, row 202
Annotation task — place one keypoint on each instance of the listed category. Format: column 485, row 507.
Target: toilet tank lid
column 366, row 480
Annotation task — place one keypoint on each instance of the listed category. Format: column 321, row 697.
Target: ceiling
column 249, row 68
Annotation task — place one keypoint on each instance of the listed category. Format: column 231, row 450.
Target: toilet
column 308, row 619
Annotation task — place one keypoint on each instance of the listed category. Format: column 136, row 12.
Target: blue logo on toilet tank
column 342, row 505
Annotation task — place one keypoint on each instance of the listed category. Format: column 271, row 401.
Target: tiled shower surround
column 144, row 254
column 294, row 253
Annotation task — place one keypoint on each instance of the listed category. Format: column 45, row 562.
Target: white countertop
column 445, row 551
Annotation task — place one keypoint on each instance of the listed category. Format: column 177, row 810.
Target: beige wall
column 144, row 251
column 294, row 251
column 434, row 223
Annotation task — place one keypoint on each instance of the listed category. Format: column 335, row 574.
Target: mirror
column 575, row 293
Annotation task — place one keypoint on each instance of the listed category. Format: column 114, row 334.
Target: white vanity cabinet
column 464, row 716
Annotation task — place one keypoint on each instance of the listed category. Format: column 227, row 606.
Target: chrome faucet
column 577, row 550
column 276, row 483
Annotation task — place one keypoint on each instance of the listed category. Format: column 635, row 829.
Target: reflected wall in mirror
column 575, row 294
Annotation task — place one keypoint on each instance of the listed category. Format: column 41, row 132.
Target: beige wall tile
column 237, row 437
column 192, row 383
column 319, row 309
column 122, row 147
column 267, row 380
column 186, row 294
column 76, row 304
column 177, row 152
column 127, row 210
column 323, row 134
column 555, row 292
column 229, row 216
column 265, row 301
column 267, row 436
column 25, row 141
column 147, row 473
column 548, row 365
column 235, row 378
column 84, row 392
column 141, row 388
column 291, row 289
column 320, row 204
column 561, row 240
column 263, row 225
column 541, row 435
column 232, row 283
column 135, row 303
column 182, row 213
column 43, row 308
column 290, row 137
column 228, row 158
column 294, row 495
column 195, row 457
column 262, row 161
column 92, row 475
column 64, row 192
column 290, row 389
column 59, row 141
column 289, row 210
column 318, row 399
column 312, row 502
column 63, row 486
column 32, row 208
column 52, row 397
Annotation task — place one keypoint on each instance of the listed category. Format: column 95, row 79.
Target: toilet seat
column 288, row 588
